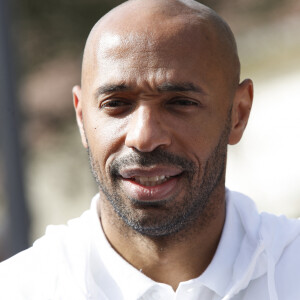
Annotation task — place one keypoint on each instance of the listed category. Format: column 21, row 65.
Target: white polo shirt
column 257, row 258
column 126, row 282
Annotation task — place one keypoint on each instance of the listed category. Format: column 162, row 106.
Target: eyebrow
column 110, row 88
column 179, row 87
column 165, row 87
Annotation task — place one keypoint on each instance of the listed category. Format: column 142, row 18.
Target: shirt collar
column 134, row 284
column 219, row 273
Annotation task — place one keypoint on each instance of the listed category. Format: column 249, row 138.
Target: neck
column 174, row 258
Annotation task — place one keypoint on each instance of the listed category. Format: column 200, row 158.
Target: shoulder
column 288, row 270
column 282, row 237
column 31, row 272
column 35, row 272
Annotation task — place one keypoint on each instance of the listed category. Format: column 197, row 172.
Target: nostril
column 147, row 140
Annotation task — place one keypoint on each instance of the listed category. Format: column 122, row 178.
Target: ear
column 77, row 101
column 241, row 108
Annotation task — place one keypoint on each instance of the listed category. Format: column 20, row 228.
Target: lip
column 150, row 193
column 131, row 172
column 159, row 192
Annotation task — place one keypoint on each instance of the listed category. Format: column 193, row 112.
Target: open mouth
column 150, row 183
column 151, row 188
column 150, row 180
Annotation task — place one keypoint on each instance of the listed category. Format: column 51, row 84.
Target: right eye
column 113, row 103
column 115, row 106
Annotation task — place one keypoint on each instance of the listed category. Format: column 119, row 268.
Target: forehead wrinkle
column 163, row 87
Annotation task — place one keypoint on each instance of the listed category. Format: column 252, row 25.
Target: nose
column 147, row 130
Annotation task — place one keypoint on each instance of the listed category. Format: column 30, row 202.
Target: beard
column 176, row 213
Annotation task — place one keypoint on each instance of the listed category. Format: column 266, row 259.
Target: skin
column 127, row 113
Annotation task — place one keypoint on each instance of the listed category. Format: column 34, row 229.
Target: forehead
column 171, row 53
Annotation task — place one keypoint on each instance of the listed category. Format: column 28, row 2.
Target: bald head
column 165, row 24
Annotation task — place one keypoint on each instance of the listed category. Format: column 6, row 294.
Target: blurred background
column 44, row 170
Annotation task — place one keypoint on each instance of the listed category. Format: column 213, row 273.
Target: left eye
column 183, row 102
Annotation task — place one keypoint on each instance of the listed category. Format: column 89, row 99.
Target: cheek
column 197, row 137
column 105, row 137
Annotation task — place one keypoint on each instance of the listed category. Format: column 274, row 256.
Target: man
column 160, row 100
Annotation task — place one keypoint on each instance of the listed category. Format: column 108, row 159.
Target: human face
column 157, row 127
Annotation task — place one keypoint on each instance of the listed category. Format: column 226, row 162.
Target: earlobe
column 242, row 104
column 77, row 102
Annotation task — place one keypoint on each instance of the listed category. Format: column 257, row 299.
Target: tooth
column 151, row 181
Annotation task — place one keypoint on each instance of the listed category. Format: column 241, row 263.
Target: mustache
column 147, row 159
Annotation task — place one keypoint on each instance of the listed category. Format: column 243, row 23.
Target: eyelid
column 185, row 99
column 105, row 102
